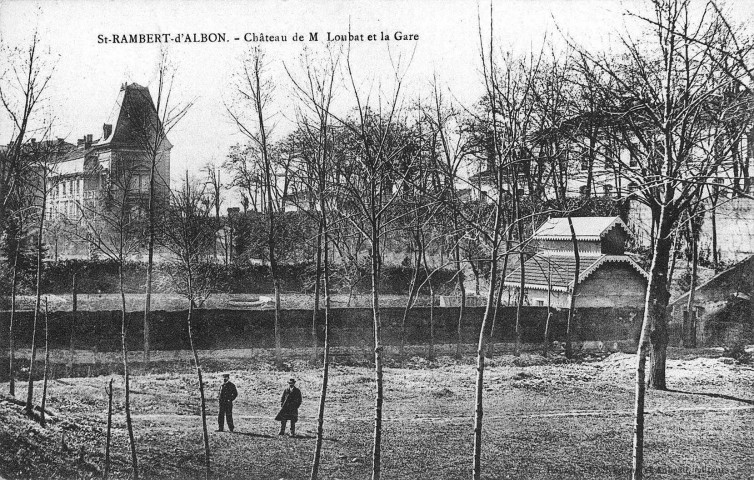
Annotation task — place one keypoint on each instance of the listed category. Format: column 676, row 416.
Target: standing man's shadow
column 263, row 435
column 252, row 434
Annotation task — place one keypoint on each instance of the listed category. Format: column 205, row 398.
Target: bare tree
column 417, row 211
column 150, row 123
column 112, row 223
column 255, row 89
column 40, row 160
column 670, row 97
column 215, row 183
column 510, row 104
column 454, row 148
column 24, row 78
column 17, row 235
column 669, row 102
column 369, row 185
column 315, row 122
column 189, row 235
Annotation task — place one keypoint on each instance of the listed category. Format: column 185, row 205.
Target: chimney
column 88, row 140
column 107, row 129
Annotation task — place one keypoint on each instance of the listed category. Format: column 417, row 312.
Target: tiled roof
column 559, row 269
column 586, row 228
column 133, row 104
column 719, row 280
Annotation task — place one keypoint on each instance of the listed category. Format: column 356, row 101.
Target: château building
column 120, row 159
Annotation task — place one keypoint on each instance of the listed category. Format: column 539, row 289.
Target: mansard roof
column 586, row 228
column 133, row 112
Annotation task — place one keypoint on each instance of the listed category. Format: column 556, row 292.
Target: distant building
column 120, row 158
column 723, row 307
column 607, row 277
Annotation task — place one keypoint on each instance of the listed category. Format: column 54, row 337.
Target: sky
column 88, row 72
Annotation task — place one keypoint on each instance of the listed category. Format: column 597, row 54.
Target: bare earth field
column 542, row 420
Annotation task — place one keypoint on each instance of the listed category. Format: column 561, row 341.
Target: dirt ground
column 543, row 419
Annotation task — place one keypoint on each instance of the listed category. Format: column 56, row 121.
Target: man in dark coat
column 289, row 403
column 228, row 393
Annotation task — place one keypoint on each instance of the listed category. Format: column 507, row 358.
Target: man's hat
column 226, row 375
column 291, row 381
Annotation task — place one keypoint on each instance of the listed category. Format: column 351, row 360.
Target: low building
column 723, row 307
column 607, row 276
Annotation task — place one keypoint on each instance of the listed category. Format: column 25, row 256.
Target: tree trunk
column 481, row 346
column 37, row 305
column 590, row 166
column 689, row 330
column 197, row 366
column 713, row 215
column 11, row 341
column 659, row 327
column 413, row 291
column 326, row 361
column 522, row 260
column 546, row 345
column 109, row 391
column 499, row 296
column 481, row 351
column 462, row 290
column 42, row 419
column 74, row 308
column 475, row 271
column 574, row 290
column 654, row 307
column 150, row 257
column 275, row 280
column 317, row 278
column 428, row 274
column 377, row 444
column 673, row 256
column 148, row 303
column 126, row 375
column 278, row 342
column 431, row 354
column 519, row 304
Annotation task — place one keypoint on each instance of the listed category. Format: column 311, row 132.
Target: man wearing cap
column 289, row 403
column 228, row 393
